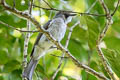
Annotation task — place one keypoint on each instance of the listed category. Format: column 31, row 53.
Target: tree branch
column 14, row 4
column 27, row 37
column 92, row 6
column 116, row 8
column 53, row 9
column 59, row 46
column 108, row 23
column 59, row 56
column 47, row 4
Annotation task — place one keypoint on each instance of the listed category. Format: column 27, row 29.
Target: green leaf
column 94, row 65
column 119, row 8
column 77, row 50
column 16, row 53
column 13, row 20
column 113, row 57
column 40, row 68
column 93, row 31
column 116, row 25
column 79, row 33
column 87, row 76
column 1, row 78
column 1, row 9
column 10, row 66
column 3, row 57
column 15, row 75
column 96, row 9
column 84, row 75
column 110, row 4
column 19, row 4
column 41, row 71
column 77, row 5
column 54, row 3
column 58, row 75
column 112, row 42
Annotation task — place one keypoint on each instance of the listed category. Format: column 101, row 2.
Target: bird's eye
column 66, row 16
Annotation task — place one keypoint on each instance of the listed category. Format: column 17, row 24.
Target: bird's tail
column 29, row 70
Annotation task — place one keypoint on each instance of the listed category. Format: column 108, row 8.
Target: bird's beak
column 72, row 14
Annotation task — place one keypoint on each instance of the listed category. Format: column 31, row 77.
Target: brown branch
column 27, row 37
column 14, row 4
column 104, row 6
column 92, row 6
column 53, row 9
column 59, row 56
column 116, row 8
column 102, row 35
column 47, row 4
column 59, row 46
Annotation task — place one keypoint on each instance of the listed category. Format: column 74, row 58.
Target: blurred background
column 82, row 43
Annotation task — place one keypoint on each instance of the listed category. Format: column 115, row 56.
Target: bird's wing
column 39, row 36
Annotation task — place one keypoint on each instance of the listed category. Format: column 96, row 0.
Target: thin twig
column 14, row 4
column 27, row 37
column 58, row 56
column 37, row 75
column 116, row 8
column 66, row 45
column 105, row 7
column 30, row 6
column 50, row 16
column 39, row 3
column 102, row 35
column 48, row 35
column 91, row 6
column 9, row 26
column 47, row 4
column 100, row 15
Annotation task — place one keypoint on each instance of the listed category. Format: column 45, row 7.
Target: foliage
column 82, row 43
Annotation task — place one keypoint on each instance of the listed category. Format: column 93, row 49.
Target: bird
column 56, row 28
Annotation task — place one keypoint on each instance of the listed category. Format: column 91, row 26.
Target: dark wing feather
column 39, row 36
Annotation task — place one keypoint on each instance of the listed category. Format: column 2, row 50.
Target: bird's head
column 67, row 16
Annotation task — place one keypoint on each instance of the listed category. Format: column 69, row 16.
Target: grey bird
column 57, row 28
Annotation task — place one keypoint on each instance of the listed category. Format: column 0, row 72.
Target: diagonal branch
column 116, row 8
column 59, row 46
column 92, row 6
column 47, row 4
column 102, row 35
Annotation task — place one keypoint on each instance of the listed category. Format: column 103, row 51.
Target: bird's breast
column 57, row 28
